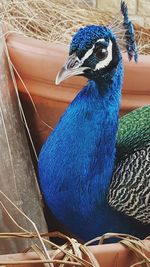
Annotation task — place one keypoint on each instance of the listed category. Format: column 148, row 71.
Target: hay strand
column 72, row 252
column 69, row 249
column 57, row 21
column 33, row 224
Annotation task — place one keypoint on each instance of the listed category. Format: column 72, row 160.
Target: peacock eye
column 101, row 53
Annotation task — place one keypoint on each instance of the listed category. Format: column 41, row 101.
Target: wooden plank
column 17, row 175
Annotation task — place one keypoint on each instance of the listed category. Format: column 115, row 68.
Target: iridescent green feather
column 133, row 132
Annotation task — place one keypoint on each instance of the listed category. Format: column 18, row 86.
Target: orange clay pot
column 38, row 62
column 112, row 255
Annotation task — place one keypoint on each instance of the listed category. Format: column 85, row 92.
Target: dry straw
column 72, row 252
column 57, row 20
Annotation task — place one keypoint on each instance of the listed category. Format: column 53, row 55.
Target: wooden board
column 17, row 176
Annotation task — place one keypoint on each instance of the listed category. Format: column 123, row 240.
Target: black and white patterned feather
column 130, row 187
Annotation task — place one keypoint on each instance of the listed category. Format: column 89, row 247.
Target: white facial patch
column 90, row 51
column 104, row 63
column 87, row 54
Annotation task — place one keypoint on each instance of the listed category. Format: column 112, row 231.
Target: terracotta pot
column 112, row 255
column 38, row 62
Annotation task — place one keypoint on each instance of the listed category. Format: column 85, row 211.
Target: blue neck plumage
column 79, row 155
column 98, row 105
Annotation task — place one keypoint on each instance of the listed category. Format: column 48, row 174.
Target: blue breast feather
column 77, row 161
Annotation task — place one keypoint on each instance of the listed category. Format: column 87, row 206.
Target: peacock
column 94, row 174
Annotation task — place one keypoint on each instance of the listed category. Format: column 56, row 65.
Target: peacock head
column 95, row 51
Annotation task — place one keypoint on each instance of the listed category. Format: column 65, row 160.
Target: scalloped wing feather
column 130, row 187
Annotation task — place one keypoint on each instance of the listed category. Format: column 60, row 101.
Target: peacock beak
column 72, row 67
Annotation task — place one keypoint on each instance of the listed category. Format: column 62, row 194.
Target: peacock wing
column 130, row 187
column 133, row 132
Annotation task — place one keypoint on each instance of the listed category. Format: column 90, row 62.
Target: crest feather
column 131, row 46
column 124, row 31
